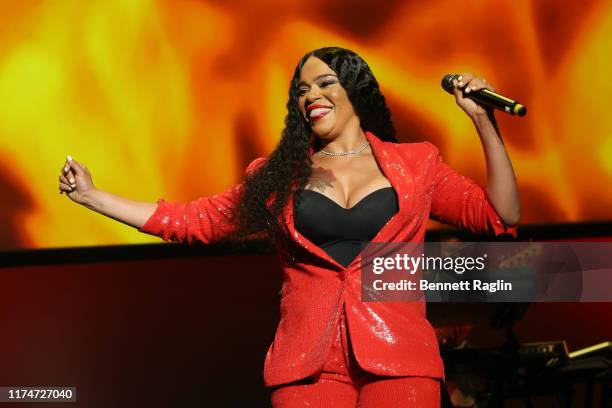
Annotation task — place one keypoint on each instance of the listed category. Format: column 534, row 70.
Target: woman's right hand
column 75, row 180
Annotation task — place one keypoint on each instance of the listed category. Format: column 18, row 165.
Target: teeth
column 319, row 111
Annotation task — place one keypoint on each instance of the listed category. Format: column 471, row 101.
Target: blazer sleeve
column 459, row 201
column 206, row 219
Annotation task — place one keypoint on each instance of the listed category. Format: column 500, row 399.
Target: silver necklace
column 359, row 150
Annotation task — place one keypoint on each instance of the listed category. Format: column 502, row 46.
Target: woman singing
column 338, row 178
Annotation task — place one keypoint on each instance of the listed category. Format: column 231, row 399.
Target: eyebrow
column 317, row 78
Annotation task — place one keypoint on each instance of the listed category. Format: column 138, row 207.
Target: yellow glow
column 157, row 97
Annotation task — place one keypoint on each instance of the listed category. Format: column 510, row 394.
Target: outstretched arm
column 130, row 212
column 76, row 182
column 206, row 219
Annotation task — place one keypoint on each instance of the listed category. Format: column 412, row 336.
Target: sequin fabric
column 206, row 219
column 388, row 338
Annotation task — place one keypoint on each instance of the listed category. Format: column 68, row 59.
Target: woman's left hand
column 466, row 84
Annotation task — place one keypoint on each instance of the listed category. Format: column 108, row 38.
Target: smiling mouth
column 318, row 113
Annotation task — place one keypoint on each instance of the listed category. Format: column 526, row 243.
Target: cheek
column 342, row 103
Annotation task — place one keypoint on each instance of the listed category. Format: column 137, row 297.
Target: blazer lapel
column 396, row 171
column 393, row 167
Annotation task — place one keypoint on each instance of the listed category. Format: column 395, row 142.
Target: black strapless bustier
column 340, row 231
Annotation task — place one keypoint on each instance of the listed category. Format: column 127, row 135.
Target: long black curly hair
column 289, row 164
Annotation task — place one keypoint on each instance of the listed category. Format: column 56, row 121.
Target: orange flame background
column 173, row 98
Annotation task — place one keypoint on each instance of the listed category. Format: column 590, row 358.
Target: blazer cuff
column 496, row 223
column 158, row 221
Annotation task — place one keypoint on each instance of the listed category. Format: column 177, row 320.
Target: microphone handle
column 497, row 101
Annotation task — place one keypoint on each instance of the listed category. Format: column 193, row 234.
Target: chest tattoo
column 321, row 178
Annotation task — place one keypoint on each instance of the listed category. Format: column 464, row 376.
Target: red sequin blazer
column 388, row 338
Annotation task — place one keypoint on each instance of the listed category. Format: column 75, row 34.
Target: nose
column 313, row 94
column 311, row 97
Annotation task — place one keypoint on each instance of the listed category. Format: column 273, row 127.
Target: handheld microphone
column 486, row 97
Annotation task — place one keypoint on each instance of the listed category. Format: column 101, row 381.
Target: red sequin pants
column 343, row 384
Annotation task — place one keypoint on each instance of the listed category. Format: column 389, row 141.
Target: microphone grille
column 447, row 82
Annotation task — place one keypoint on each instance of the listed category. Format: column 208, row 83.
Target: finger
column 480, row 85
column 474, row 85
column 68, row 179
column 64, row 179
column 464, row 79
column 71, row 179
column 77, row 168
column 74, row 166
column 65, row 187
column 457, row 91
column 67, row 170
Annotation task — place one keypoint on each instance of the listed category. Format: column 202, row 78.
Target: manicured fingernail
column 71, row 181
column 69, row 158
column 460, row 83
column 66, row 169
column 460, row 77
column 467, row 89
